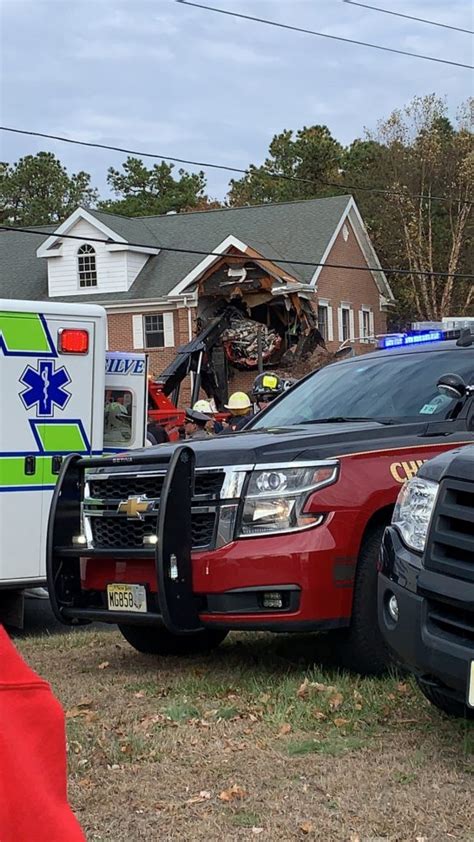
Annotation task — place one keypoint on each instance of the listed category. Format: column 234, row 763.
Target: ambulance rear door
column 52, row 360
column 126, row 401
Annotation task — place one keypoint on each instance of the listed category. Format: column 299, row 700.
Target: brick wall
column 121, row 339
column 350, row 286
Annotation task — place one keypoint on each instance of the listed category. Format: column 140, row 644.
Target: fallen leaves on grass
column 103, row 665
column 336, row 701
column 82, row 709
column 203, row 796
column 234, row 793
column 307, row 687
column 307, row 827
column 285, row 729
column 339, row 722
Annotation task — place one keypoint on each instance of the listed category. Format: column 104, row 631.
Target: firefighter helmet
column 203, row 406
column 239, row 400
column 267, row 386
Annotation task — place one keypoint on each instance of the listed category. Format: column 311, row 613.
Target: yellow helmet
column 239, row 400
column 203, row 406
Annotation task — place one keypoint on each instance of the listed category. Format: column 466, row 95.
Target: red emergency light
column 73, row 341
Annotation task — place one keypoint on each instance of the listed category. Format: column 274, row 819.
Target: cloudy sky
column 161, row 77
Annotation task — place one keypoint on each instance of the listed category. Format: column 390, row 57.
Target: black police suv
column 426, row 580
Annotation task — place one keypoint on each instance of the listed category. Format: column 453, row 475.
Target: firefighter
column 266, row 387
column 241, row 408
column 207, row 408
column 195, row 424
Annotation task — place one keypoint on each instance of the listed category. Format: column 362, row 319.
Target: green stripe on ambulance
column 24, row 332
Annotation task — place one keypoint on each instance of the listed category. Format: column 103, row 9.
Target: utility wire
column 240, row 170
column 408, row 17
column 323, row 34
column 258, row 259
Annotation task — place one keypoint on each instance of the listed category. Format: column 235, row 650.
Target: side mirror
column 453, row 386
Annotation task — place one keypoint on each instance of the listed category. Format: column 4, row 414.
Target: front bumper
column 434, row 634
column 218, row 588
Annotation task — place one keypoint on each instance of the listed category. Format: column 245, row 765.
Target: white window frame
column 348, row 309
column 323, row 302
column 159, row 330
column 86, row 254
column 364, row 316
column 139, row 330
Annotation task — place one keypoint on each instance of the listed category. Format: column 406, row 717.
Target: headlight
column 276, row 497
column 413, row 511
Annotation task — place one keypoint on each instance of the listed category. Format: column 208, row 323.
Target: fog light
column 272, row 599
column 79, row 540
column 392, row 608
column 150, row 540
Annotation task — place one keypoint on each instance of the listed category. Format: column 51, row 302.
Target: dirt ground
column 255, row 740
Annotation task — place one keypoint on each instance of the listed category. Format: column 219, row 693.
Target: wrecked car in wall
column 270, row 317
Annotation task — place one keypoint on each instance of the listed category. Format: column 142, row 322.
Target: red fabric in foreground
column 33, row 774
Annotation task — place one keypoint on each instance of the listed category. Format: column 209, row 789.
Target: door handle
column 56, row 463
column 30, row 466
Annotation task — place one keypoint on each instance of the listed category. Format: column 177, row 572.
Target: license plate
column 127, row 598
column 470, row 686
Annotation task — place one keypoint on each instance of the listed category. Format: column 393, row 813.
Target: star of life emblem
column 45, row 388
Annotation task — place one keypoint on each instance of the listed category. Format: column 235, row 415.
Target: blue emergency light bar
column 399, row 339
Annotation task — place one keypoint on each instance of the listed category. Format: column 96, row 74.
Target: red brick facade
column 350, row 286
column 355, row 289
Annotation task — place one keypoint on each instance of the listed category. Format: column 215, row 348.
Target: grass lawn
column 252, row 741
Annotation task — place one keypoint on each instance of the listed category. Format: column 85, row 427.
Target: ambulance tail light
column 73, row 341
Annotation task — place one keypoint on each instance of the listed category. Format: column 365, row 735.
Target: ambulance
column 60, row 393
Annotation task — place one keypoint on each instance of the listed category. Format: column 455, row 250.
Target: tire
column 362, row 647
column 450, row 706
column 156, row 640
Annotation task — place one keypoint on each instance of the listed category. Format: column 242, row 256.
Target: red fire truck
column 275, row 528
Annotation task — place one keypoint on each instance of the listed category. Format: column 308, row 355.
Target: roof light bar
column 400, row 339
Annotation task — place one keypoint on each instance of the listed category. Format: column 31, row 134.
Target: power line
column 259, row 258
column 239, row 170
column 323, row 34
column 409, row 17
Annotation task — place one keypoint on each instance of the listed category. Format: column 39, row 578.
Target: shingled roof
column 300, row 230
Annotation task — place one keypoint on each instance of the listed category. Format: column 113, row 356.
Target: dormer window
column 86, row 266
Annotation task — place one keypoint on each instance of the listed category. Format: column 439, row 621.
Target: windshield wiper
column 342, row 419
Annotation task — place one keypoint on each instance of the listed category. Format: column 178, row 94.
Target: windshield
column 398, row 387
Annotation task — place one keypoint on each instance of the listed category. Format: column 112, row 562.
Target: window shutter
column 137, row 327
column 330, row 327
column 168, row 326
column 361, row 324
column 371, row 323
column 351, row 324
column 339, row 324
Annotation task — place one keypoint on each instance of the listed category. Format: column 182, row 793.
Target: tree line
column 417, row 154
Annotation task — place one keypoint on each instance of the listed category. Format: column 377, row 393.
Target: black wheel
column 155, row 640
column 362, row 647
column 450, row 706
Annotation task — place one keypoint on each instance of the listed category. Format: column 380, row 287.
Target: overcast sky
column 162, row 77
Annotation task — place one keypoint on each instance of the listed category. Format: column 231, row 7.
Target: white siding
column 135, row 263
column 112, row 274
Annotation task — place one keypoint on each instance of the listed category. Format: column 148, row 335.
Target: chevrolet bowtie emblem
column 136, row 507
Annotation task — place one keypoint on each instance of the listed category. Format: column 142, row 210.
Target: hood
column 278, row 444
column 458, row 463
